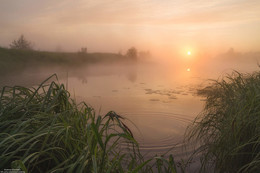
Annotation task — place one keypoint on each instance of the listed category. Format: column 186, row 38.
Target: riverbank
column 14, row 60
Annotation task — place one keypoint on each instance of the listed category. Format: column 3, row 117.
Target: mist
column 145, row 61
column 167, row 29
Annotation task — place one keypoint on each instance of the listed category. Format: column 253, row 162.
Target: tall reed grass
column 43, row 130
column 228, row 129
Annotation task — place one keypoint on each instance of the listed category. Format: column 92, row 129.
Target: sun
column 188, row 69
column 189, row 53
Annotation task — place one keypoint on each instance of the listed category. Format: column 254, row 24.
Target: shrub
column 21, row 43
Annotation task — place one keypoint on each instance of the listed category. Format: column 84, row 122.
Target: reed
column 43, row 130
column 228, row 129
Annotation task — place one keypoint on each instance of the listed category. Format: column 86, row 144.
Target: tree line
column 23, row 44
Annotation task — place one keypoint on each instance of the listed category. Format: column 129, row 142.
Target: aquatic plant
column 43, row 130
column 228, row 129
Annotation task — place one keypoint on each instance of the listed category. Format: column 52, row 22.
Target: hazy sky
column 161, row 26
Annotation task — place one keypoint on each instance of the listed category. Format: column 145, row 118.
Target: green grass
column 43, row 130
column 228, row 129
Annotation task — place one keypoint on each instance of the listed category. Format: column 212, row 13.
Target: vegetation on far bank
column 228, row 129
column 21, row 56
column 43, row 130
column 16, row 60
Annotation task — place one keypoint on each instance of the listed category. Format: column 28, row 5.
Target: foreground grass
column 43, row 130
column 228, row 129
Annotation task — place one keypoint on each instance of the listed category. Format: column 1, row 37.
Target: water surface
column 158, row 101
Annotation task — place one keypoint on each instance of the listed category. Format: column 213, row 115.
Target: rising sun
column 189, row 53
column 188, row 69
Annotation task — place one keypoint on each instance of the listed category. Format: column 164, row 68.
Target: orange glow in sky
column 162, row 27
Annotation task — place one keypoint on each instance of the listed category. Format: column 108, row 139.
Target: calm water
column 158, row 105
column 158, row 101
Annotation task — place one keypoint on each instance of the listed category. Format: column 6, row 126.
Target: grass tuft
column 43, row 130
column 228, row 129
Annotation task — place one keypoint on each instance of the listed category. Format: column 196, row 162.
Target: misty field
column 16, row 60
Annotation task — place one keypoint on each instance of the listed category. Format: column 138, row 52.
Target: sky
column 164, row 27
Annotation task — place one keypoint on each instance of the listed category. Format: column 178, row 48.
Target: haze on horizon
column 164, row 27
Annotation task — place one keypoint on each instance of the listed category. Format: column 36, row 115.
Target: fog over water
column 180, row 46
column 157, row 99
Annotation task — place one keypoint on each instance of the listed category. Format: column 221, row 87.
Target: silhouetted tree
column 21, row 43
column 83, row 50
column 132, row 53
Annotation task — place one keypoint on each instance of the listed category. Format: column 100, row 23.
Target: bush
column 21, row 43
